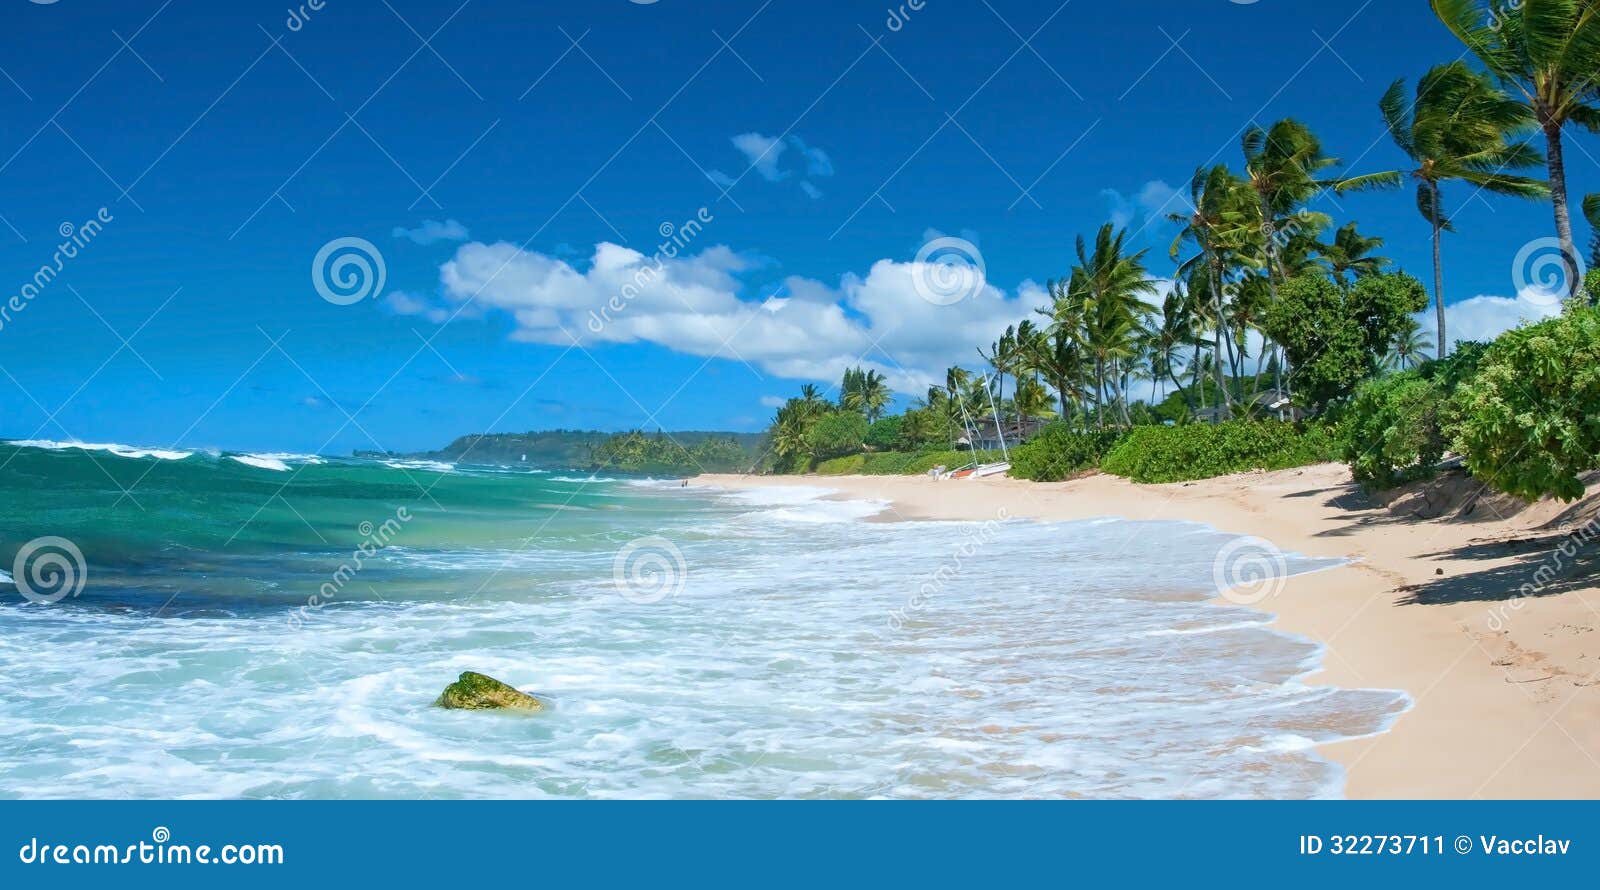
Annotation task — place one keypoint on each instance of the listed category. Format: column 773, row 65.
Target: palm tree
column 1058, row 355
column 1410, row 346
column 1547, row 52
column 1285, row 167
column 1591, row 212
column 865, row 391
column 1350, row 254
column 1461, row 126
column 1219, row 224
column 790, row 429
column 1107, row 288
column 811, row 399
column 1031, row 399
column 1178, row 328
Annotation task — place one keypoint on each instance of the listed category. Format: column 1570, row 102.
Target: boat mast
column 998, row 428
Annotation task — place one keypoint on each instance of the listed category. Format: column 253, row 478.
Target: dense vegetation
column 1199, row 451
column 674, row 454
column 1059, row 452
column 544, row 449
column 1530, row 416
column 1284, row 337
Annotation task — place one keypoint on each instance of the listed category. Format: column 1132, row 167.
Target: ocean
column 198, row 624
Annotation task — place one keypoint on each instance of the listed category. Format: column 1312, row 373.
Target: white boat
column 979, row 472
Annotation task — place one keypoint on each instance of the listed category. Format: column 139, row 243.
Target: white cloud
column 696, row 305
column 817, row 161
column 404, row 303
column 432, row 231
column 1149, row 206
column 763, row 153
column 811, row 191
column 773, row 401
column 1486, row 317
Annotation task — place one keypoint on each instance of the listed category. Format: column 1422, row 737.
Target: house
column 988, row 433
column 1269, row 404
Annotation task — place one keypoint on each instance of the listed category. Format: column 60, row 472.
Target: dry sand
column 1505, row 677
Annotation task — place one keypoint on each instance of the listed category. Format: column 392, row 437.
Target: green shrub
column 837, row 434
column 884, row 434
column 1397, row 428
column 1394, row 430
column 886, row 463
column 850, row 465
column 877, row 463
column 1334, row 335
column 1530, row 417
column 1058, row 451
column 1201, row 451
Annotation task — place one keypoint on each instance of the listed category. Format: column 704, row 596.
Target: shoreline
column 1505, row 691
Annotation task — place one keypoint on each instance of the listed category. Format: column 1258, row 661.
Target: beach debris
column 473, row 691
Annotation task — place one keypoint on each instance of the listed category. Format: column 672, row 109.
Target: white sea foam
column 261, row 462
column 291, row 458
column 798, row 659
column 5, row 577
column 436, row 466
column 112, row 448
column 803, row 504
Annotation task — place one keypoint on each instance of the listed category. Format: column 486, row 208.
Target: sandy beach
column 1468, row 601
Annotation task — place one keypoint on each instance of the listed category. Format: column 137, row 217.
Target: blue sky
column 485, row 150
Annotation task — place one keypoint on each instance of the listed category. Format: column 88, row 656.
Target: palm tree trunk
column 1100, row 392
column 1188, row 398
column 1443, row 345
column 1224, row 401
column 1558, row 197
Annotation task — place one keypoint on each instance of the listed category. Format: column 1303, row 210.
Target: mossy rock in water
column 476, row 692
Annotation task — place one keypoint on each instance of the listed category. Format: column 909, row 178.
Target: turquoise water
column 278, row 626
